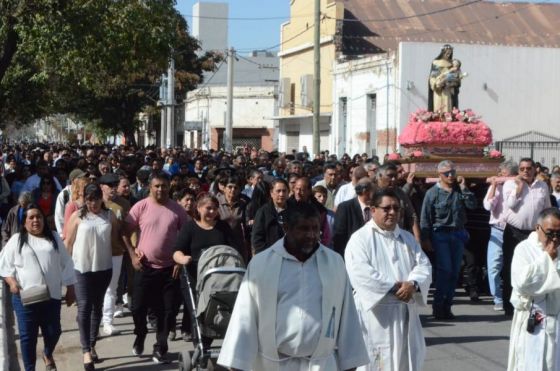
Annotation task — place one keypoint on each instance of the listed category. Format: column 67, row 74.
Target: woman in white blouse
column 88, row 239
column 33, row 257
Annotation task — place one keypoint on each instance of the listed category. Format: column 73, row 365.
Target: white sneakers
column 110, row 330
column 119, row 311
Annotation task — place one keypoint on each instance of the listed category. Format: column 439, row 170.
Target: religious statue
column 444, row 82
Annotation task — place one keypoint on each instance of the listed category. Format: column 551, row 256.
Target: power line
column 453, row 28
column 256, row 63
column 283, row 42
column 272, row 18
column 208, row 81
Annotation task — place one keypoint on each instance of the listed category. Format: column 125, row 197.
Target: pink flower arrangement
column 446, row 133
column 422, row 115
column 417, row 154
column 495, row 154
column 394, row 156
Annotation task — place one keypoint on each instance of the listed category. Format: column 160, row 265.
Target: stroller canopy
column 220, row 269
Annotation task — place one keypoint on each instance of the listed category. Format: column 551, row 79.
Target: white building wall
column 514, row 89
column 357, row 80
column 253, row 107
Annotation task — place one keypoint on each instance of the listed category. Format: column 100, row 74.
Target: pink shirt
column 496, row 207
column 71, row 207
column 523, row 211
column 157, row 226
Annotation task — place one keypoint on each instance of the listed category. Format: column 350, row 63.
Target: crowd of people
column 347, row 241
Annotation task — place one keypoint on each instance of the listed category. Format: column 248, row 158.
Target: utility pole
column 170, row 141
column 317, row 79
column 228, row 132
column 163, row 103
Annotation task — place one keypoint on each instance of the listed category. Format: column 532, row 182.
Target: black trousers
column 90, row 290
column 155, row 289
column 512, row 237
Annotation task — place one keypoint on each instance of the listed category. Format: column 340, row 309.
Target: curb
column 4, row 354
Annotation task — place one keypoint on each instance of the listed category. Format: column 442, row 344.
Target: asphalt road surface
column 476, row 340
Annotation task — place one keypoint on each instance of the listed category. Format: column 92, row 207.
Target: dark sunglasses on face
column 550, row 234
column 448, row 173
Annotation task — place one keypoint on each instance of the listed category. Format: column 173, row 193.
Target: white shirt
column 345, row 192
column 91, row 251
column 496, row 207
column 59, row 209
column 524, row 210
column 298, row 314
column 248, row 191
column 56, row 264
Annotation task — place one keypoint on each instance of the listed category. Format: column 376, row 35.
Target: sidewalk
column 476, row 340
column 115, row 351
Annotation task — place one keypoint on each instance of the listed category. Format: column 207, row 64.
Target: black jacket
column 267, row 228
column 347, row 220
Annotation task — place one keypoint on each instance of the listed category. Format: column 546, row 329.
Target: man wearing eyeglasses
column 387, row 176
column 391, row 276
column 442, row 224
column 524, row 198
column 536, row 297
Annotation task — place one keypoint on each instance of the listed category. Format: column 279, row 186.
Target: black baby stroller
column 220, row 271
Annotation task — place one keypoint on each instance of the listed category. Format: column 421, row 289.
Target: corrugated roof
column 374, row 26
column 532, row 136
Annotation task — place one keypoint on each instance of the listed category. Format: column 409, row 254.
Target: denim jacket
column 445, row 209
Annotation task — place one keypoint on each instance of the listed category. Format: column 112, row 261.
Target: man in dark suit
column 351, row 215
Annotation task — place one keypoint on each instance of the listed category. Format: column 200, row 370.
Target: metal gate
column 247, row 141
column 540, row 147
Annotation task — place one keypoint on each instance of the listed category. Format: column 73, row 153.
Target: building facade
column 510, row 52
column 255, row 81
column 205, row 114
column 295, row 93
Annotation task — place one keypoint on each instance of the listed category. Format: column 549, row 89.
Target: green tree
column 100, row 60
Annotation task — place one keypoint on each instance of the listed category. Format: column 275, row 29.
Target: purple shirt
column 157, row 226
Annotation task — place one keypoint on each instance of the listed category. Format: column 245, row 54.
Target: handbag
column 35, row 294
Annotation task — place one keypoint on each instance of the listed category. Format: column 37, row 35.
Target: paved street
column 476, row 340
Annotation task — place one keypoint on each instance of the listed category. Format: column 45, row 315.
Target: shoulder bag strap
column 37, row 260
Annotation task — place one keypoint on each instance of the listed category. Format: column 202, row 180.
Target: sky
column 245, row 34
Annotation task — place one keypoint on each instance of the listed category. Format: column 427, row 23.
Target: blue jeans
column 495, row 262
column 45, row 315
column 448, row 249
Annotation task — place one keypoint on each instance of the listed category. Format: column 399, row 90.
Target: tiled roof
column 374, row 26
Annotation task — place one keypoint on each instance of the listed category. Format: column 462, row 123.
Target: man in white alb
column 536, row 298
column 391, row 276
column 294, row 310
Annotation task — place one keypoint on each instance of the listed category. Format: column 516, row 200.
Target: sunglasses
column 448, row 173
column 551, row 234
column 387, row 209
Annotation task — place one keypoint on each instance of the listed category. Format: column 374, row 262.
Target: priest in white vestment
column 536, row 293
column 391, row 277
column 295, row 310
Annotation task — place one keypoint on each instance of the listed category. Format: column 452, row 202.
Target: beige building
column 295, row 94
